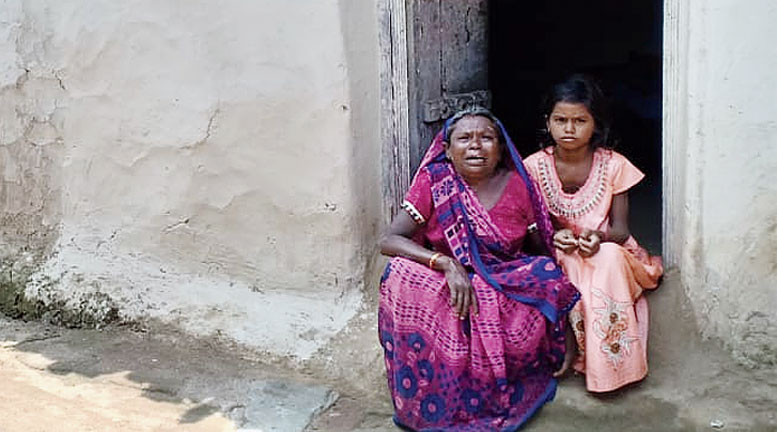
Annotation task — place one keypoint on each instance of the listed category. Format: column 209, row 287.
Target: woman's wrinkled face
column 571, row 125
column 474, row 147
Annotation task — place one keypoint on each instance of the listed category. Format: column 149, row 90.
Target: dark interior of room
column 534, row 44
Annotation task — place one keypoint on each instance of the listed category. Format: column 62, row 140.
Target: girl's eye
column 580, row 120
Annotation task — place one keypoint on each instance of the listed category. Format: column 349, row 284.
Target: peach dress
column 611, row 320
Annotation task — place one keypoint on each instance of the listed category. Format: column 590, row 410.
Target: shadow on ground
column 207, row 377
column 693, row 385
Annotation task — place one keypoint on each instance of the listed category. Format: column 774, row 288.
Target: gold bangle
column 433, row 259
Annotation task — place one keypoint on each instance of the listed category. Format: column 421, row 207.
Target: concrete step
column 693, row 385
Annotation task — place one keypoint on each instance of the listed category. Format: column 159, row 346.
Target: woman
column 472, row 327
column 586, row 184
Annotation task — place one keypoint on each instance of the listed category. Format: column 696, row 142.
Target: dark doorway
column 533, row 44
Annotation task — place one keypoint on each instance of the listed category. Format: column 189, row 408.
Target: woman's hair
column 582, row 89
column 478, row 111
column 471, row 111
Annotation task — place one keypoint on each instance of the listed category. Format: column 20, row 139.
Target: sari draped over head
column 488, row 372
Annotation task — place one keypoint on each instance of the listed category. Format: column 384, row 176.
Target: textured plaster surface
column 729, row 258
column 194, row 162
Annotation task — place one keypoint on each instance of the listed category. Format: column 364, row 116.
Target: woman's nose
column 569, row 127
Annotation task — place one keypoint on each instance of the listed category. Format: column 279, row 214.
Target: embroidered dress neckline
column 582, row 201
column 588, row 179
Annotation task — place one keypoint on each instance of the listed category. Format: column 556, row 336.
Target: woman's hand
column 462, row 293
column 565, row 240
column 399, row 242
column 589, row 242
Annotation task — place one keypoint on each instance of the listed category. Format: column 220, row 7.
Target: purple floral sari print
column 485, row 373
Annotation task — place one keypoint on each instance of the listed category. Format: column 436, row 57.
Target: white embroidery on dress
column 610, row 326
column 577, row 321
column 584, row 200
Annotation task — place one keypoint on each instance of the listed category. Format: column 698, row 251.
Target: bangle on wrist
column 433, row 259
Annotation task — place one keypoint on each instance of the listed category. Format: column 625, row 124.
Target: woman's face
column 571, row 125
column 474, row 147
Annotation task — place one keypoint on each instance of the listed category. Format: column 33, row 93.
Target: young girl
column 585, row 184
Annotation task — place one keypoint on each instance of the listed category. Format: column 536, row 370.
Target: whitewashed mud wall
column 729, row 244
column 191, row 162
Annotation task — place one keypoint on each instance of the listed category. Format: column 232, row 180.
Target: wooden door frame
column 395, row 132
column 395, row 125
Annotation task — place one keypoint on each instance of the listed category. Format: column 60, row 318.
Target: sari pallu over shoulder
column 490, row 372
column 473, row 242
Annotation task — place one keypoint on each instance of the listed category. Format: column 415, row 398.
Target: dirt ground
column 122, row 379
column 48, row 388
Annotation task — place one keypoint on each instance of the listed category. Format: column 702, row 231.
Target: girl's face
column 474, row 147
column 571, row 125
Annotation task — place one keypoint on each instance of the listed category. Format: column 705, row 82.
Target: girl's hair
column 478, row 111
column 582, row 89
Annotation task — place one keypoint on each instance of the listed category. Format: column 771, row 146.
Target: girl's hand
column 462, row 294
column 589, row 242
column 565, row 240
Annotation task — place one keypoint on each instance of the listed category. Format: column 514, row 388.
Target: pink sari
column 485, row 373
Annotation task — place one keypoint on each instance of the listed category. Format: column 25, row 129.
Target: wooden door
column 447, row 65
column 433, row 62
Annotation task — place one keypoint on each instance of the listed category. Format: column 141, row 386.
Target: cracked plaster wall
column 191, row 161
column 729, row 261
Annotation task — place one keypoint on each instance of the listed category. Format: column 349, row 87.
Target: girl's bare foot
column 569, row 354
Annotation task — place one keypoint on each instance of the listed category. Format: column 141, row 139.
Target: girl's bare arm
column 619, row 219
